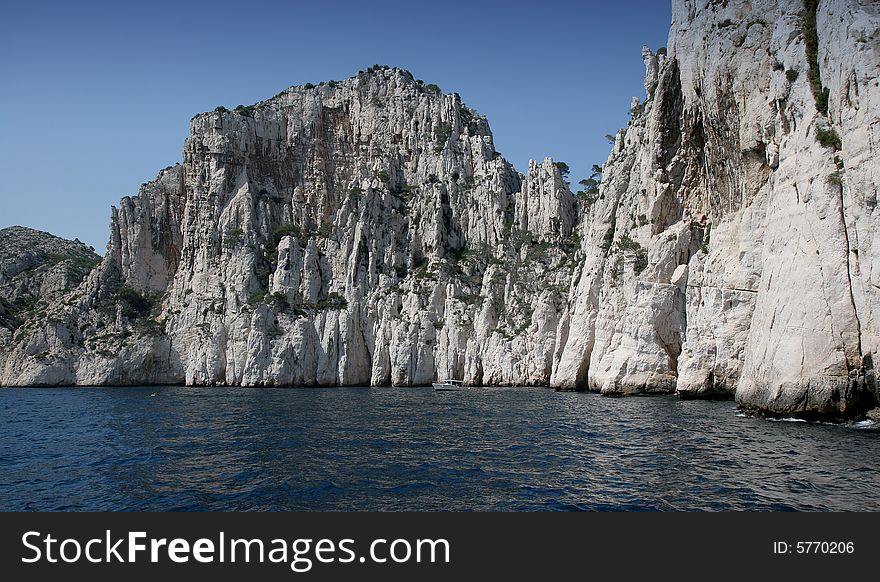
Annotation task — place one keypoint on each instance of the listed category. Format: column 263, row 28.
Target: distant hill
column 37, row 267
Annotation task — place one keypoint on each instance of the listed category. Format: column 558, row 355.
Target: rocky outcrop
column 37, row 273
column 367, row 232
column 359, row 232
column 37, row 269
column 738, row 216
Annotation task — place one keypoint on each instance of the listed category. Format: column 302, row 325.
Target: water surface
column 416, row 449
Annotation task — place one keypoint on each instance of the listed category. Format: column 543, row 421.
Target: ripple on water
column 414, row 449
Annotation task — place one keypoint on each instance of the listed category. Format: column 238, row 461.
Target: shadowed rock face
column 367, row 232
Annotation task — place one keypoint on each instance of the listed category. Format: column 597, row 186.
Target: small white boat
column 449, row 386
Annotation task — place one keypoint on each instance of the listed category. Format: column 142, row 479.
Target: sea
column 413, row 449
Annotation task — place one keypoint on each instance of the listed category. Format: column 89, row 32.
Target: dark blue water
column 416, row 449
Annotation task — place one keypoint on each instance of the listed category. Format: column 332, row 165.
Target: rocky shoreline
column 367, row 232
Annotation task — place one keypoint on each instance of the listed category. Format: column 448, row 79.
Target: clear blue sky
column 96, row 97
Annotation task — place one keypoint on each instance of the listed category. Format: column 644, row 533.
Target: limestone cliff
column 367, row 232
column 746, row 184
column 359, row 232
column 37, row 269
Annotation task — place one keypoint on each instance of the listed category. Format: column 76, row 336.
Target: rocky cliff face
column 37, row 269
column 747, row 182
column 367, row 232
column 360, row 232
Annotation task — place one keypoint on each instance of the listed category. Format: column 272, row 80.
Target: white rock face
column 758, row 236
column 361, row 232
column 366, row 232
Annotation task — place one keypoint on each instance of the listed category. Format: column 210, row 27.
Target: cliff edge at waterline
column 366, row 231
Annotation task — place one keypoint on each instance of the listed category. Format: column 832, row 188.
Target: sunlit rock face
column 359, row 232
column 366, row 232
column 753, row 205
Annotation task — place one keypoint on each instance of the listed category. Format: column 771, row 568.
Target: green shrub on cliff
column 134, row 304
column 828, row 138
column 811, row 42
